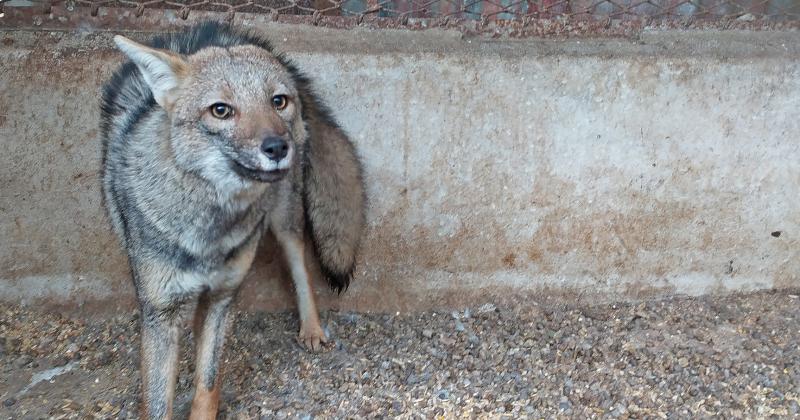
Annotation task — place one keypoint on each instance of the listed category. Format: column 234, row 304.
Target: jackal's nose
column 275, row 148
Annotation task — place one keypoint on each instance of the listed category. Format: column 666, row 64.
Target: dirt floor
column 735, row 356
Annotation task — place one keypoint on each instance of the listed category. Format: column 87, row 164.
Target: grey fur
column 334, row 200
column 185, row 191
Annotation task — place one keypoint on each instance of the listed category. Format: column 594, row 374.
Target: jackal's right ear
column 162, row 70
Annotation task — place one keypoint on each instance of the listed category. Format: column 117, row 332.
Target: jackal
column 210, row 139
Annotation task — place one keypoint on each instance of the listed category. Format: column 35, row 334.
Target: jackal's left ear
column 162, row 70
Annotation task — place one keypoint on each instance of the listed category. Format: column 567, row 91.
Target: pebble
column 486, row 308
column 794, row 407
column 22, row 361
column 460, row 326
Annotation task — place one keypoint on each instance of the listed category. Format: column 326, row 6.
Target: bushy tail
column 334, row 196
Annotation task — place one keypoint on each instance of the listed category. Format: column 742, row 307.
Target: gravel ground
column 734, row 356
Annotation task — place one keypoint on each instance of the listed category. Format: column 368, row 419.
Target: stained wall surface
column 496, row 170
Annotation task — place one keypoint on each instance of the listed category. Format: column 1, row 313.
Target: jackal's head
column 234, row 112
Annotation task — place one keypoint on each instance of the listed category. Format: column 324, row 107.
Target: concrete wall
column 497, row 170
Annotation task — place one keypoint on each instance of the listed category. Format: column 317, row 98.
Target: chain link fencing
column 485, row 10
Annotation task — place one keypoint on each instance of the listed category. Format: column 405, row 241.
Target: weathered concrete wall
column 497, row 170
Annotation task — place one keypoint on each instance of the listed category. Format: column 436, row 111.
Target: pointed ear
column 162, row 70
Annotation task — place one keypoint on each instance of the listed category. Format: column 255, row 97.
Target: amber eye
column 280, row 102
column 221, row 111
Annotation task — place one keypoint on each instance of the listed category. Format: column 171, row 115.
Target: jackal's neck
column 209, row 175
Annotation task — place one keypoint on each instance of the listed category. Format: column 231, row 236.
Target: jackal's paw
column 312, row 337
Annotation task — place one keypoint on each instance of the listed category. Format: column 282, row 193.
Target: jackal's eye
column 221, row 111
column 280, row 102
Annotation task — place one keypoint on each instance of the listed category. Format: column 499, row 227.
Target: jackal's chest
column 211, row 241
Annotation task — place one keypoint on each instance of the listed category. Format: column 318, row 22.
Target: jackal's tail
column 334, row 196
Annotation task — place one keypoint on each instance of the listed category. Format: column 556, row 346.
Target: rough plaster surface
column 609, row 169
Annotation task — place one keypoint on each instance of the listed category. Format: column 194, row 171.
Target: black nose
column 275, row 148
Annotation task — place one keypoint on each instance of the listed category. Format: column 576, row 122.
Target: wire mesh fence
column 494, row 18
column 481, row 10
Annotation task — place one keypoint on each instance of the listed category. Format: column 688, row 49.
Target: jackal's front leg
column 160, row 335
column 311, row 335
column 210, row 325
